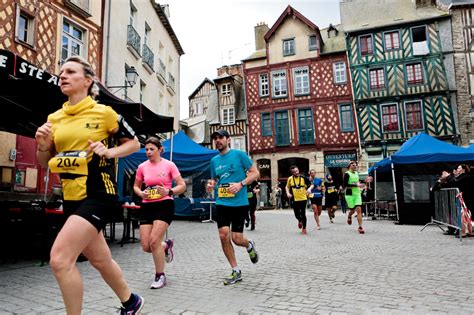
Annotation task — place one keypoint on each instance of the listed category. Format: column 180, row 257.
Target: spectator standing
column 252, row 191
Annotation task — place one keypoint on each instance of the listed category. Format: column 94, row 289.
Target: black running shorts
column 97, row 211
column 233, row 217
column 158, row 210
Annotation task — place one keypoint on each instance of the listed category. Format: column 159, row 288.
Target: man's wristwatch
column 243, row 183
column 170, row 192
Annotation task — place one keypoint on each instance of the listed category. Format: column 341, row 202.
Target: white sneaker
column 160, row 281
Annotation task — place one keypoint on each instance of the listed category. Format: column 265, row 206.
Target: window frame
column 416, row 27
column 230, row 120
column 305, row 86
column 308, row 133
column 274, row 85
column 198, row 108
column 291, row 49
column 342, row 125
column 385, row 41
column 370, row 50
column 286, row 127
column 81, row 43
column 336, row 71
column 238, row 139
column 262, row 86
column 225, row 89
column 422, row 121
column 382, row 117
column 378, row 85
column 30, row 27
column 316, row 43
column 416, row 80
column 263, row 118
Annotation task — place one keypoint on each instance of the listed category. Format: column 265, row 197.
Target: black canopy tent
column 29, row 94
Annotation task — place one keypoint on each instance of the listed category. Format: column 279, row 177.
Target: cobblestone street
column 392, row 269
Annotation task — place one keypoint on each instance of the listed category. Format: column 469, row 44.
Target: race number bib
column 311, row 195
column 153, row 193
column 223, row 191
column 71, row 162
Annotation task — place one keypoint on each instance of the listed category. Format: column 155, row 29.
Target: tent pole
column 171, row 146
column 375, row 184
column 395, row 189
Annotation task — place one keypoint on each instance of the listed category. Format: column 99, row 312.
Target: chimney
column 260, row 30
column 166, row 9
column 424, row 3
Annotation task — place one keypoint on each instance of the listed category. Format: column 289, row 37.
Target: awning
column 32, row 93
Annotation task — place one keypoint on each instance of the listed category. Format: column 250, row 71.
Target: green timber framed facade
column 400, row 74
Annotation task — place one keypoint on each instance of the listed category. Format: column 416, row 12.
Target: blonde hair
column 93, row 90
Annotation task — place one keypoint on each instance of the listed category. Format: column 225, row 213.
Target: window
column 133, row 15
column 279, row 84
column 301, row 78
column 305, row 126
column 377, row 79
column 345, row 115
column 390, row 118
column 25, row 28
column 413, row 115
column 288, row 47
column 72, row 40
column 392, row 40
column 339, row 72
column 238, row 143
column 225, row 89
column 365, row 45
column 266, row 124
column 198, row 108
column 418, row 34
column 414, row 73
column 146, row 40
column 228, row 116
column 282, row 131
column 312, row 42
column 263, row 83
column 142, row 91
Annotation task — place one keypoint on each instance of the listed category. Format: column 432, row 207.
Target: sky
column 214, row 33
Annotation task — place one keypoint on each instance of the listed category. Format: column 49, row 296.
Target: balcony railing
column 133, row 39
column 148, row 57
column 170, row 81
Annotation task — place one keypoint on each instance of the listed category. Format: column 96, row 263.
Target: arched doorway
column 265, row 180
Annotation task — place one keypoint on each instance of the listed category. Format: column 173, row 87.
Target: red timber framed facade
column 299, row 100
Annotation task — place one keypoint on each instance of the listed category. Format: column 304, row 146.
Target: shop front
column 336, row 164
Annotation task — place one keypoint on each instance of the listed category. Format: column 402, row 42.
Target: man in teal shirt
column 229, row 180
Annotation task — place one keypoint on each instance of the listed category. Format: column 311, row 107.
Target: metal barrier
column 447, row 210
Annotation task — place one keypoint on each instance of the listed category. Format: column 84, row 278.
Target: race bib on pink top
column 157, row 174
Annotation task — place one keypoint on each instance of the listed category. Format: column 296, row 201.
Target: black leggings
column 251, row 213
column 299, row 207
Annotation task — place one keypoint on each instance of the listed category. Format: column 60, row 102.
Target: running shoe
column 331, row 221
column 253, row 253
column 300, row 225
column 160, row 281
column 247, row 223
column 234, row 277
column 361, row 230
column 169, row 250
column 349, row 220
column 135, row 308
column 304, row 232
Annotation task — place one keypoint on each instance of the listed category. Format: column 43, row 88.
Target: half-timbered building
column 298, row 94
column 399, row 60
column 462, row 24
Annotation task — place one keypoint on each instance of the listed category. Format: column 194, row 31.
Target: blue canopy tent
column 192, row 160
column 435, row 154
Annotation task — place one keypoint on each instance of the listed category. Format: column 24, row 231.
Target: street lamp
column 131, row 76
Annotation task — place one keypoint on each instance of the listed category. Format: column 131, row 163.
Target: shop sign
column 20, row 68
column 339, row 159
column 264, row 167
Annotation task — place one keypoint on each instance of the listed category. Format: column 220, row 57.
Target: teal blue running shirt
column 231, row 168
